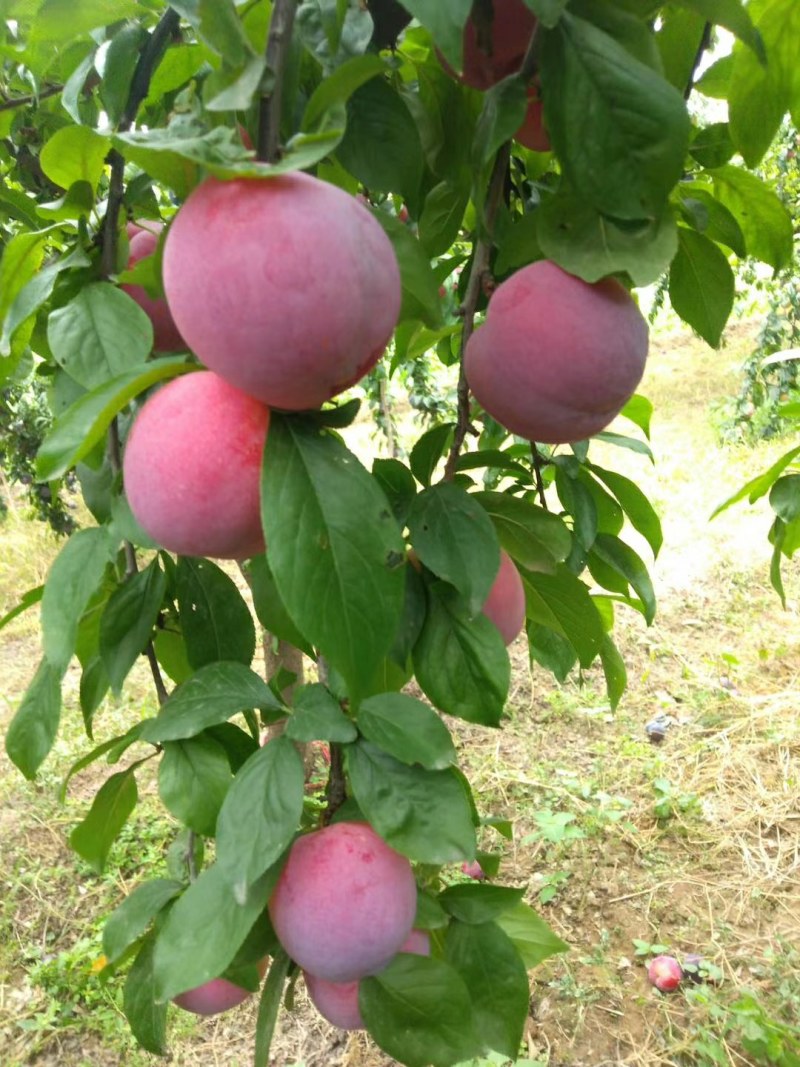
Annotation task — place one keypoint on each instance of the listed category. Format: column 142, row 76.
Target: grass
column 626, row 848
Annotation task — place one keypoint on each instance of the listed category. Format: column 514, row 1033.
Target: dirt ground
column 693, row 845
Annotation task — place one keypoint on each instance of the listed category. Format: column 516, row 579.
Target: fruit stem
column 477, row 278
column 279, row 41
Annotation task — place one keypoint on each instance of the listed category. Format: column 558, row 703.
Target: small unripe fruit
column 287, row 287
column 664, row 972
column 474, row 870
column 345, row 902
column 505, row 604
column 144, row 242
column 338, row 1001
column 557, row 358
column 191, row 468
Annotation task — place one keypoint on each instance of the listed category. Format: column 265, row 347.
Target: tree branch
column 705, row 41
column 32, row 98
column 536, row 463
column 477, row 277
column 279, row 40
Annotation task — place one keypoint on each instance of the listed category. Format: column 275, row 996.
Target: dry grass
column 720, row 875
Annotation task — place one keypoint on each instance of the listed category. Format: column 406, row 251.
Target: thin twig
column 480, row 268
column 140, row 84
column 279, row 40
column 478, row 273
column 31, row 98
column 705, row 41
column 536, row 462
column 191, row 858
column 335, row 790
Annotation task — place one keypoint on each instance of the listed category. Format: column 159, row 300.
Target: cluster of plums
column 343, row 908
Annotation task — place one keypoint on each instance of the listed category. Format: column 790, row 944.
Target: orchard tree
column 216, row 218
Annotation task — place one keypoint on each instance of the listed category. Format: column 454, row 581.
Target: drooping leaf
column 93, row 837
column 334, row 546
column 474, row 903
column 146, row 1015
column 215, row 620
column 407, row 729
column 128, row 620
column 73, row 578
column 130, row 919
column 32, row 731
column 701, row 285
column 194, row 776
column 533, row 938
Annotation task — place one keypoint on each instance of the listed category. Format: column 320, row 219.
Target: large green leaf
column 115, row 800
column 635, row 504
column 204, row 929
column 445, row 20
column 460, row 661
column 72, row 580
column 407, row 729
column 260, row 814
column 424, row 814
column 620, row 130
column 701, row 285
column 475, row 904
column 146, row 1015
column 193, row 779
column 419, row 285
column 128, row 620
column 100, row 334
column 419, row 1010
column 64, row 20
column 211, row 696
column 764, row 221
column 335, row 548
column 75, row 154
column 318, row 716
column 533, row 938
column 32, row 731
column 527, row 532
column 761, row 93
column 454, row 537
column 130, row 919
column 562, row 602
column 494, row 974
column 215, row 620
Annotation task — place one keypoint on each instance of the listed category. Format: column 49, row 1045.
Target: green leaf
column 562, row 602
column 764, row 221
column 622, row 559
column 532, row 937
column 100, row 334
column 269, row 607
column 340, row 86
column 193, row 779
column 128, row 621
column 584, row 242
column 145, row 1014
column 32, row 731
column 22, row 256
column 64, row 20
column 712, row 145
column 454, row 537
column 335, row 548
column 381, row 145
column 420, row 287
column 461, row 663
column 419, row 1010
column 260, row 814
column 734, row 17
column 494, row 974
column 445, row 20
column 784, row 498
column 204, row 929
column 711, row 218
column 398, row 484
column 428, row 450
column 317, row 716
column 761, row 93
column 529, row 534
column 423, row 814
column 407, row 729
column 75, row 154
column 503, row 112
column 635, row 504
column 211, row 696
column 120, row 62
column 34, row 293
column 761, row 484
column 72, row 580
column 701, row 285
column 476, row 904
column 130, row 919
column 614, row 670
column 28, row 600
column 75, row 433
column 620, row 130
column 640, row 411
column 115, row 800
column 442, row 216
column 215, row 620
column 269, row 1006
